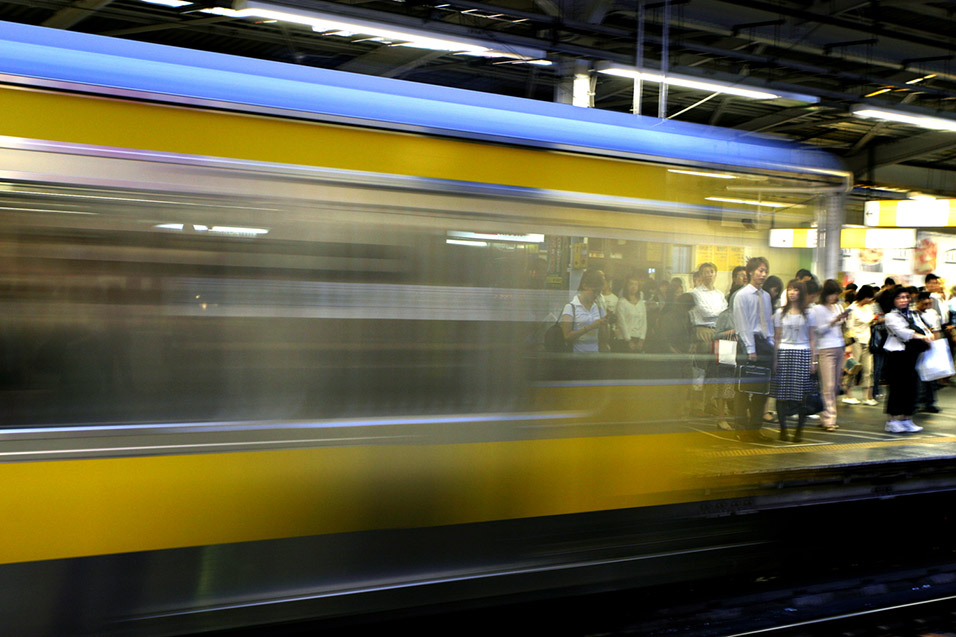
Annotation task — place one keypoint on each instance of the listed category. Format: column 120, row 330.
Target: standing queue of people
column 799, row 333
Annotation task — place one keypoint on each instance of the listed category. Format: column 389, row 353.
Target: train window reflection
column 161, row 307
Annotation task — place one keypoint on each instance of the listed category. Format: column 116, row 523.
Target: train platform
column 860, row 446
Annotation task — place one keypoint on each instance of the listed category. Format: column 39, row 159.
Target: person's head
column 695, row 278
column 933, row 284
column 758, row 268
column 889, row 282
column 813, row 291
column 677, row 285
column 707, row 272
column 592, row 282
column 631, row 288
column 803, row 275
column 738, row 276
column 831, row 292
column 849, row 296
column 851, row 287
column 898, row 297
column 865, row 295
column 774, row 287
column 924, row 300
column 796, row 295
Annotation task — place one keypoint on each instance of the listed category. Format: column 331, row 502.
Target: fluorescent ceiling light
column 752, row 202
column 169, row 3
column 486, row 236
column 701, row 174
column 686, row 82
column 238, row 230
column 170, row 226
column 923, row 121
column 334, row 25
column 920, row 79
column 462, row 242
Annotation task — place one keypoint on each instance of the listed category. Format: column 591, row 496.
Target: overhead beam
column 74, row 14
column 766, row 122
column 900, row 151
column 389, row 61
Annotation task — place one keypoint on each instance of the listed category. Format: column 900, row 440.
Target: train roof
column 65, row 59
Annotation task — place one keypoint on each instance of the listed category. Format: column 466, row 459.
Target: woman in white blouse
column 830, row 317
column 631, row 317
column 793, row 346
column 907, row 336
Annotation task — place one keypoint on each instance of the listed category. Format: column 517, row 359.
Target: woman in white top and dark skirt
column 830, row 317
column 793, row 363
column 907, row 337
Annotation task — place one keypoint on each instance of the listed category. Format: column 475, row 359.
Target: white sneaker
column 870, row 402
column 814, row 416
column 911, row 426
column 895, row 427
column 851, row 401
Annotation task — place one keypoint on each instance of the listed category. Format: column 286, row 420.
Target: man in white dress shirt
column 753, row 319
column 709, row 302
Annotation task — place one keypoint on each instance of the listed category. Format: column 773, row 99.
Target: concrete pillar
column 831, row 214
column 575, row 83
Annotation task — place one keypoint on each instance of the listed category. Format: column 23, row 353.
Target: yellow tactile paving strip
column 828, row 448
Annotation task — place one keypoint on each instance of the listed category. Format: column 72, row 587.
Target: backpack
column 554, row 340
column 878, row 335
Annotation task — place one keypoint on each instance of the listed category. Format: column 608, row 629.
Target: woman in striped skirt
column 794, row 361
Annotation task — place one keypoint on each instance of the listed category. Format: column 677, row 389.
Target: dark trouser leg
column 757, row 404
column 783, row 412
column 801, row 418
column 741, row 409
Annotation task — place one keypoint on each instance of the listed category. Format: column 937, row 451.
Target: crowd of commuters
column 809, row 339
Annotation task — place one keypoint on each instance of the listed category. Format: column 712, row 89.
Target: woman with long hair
column 829, row 317
column 631, row 317
column 793, row 363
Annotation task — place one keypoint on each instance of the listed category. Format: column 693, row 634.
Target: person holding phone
column 829, row 318
column 584, row 321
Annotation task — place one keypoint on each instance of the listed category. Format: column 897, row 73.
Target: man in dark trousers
column 753, row 318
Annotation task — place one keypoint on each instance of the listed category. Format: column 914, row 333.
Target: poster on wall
column 872, row 265
column 935, row 252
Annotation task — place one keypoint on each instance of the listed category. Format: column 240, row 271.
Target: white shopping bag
column 727, row 352
column 936, row 362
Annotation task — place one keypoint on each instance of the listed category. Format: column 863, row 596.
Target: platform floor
column 860, row 439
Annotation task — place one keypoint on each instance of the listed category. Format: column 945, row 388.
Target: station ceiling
column 826, row 57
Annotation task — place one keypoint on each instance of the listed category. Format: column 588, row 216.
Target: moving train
column 271, row 337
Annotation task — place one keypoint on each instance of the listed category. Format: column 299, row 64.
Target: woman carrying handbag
column 907, row 338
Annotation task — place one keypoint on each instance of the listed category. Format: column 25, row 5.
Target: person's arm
column 573, row 335
column 814, row 355
column 622, row 318
column 742, row 322
column 640, row 321
column 604, row 333
column 776, row 347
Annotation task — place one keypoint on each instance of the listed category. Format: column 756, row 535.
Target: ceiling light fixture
column 335, row 25
column 920, row 79
column 752, row 202
column 922, row 121
column 701, row 174
column 688, row 82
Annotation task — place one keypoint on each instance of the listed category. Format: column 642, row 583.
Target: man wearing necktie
column 753, row 320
